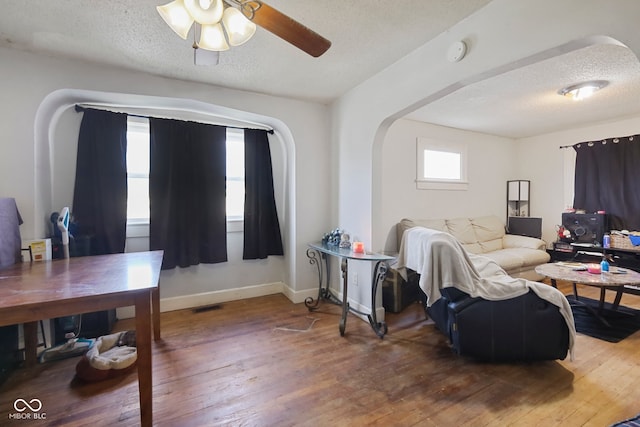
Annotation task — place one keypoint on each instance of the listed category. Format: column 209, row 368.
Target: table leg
column 30, row 330
column 345, row 302
column 616, row 301
column 596, row 313
column 601, row 302
column 316, row 258
column 155, row 307
column 143, row 343
column 379, row 274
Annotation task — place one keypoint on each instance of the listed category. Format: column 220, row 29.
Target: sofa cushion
column 405, row 224
column 517, row 258
column 474, row 248
column 491, row 245
column 488, row 228
column 515, row 241
column 462, row 230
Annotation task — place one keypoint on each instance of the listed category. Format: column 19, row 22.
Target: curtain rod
column 82, row 107
column 615, row 140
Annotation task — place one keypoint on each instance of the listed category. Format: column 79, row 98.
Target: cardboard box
column 40, row 249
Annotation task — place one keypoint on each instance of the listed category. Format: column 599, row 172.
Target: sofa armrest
column 464, row 303
column 516, row 241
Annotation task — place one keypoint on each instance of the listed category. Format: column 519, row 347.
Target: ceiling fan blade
column 285, row 27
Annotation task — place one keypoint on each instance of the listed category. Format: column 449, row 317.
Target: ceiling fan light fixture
column 205, row 12
column 212, row 38
column 583, row 90
column 239, row 29
column 176, row 17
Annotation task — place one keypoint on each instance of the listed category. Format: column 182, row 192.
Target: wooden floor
column 268, row 362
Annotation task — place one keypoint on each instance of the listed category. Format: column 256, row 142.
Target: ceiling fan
column 238, row 18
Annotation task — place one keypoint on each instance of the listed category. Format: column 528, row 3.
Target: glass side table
column 318, row 254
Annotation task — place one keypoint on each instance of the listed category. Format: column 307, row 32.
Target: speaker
column 585, row 228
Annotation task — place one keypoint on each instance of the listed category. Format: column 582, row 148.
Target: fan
column 233, row 22
column 283, row 26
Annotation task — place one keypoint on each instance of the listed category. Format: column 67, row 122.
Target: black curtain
column 100, row 192
column 187, row 186
column 607, row 177
column 261, row 228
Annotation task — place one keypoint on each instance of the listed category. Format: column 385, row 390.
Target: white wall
column 36, row 125
column 490, row 164
column 540, row 159
column 502, row 36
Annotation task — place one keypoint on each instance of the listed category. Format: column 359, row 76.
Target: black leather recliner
column 525, row 328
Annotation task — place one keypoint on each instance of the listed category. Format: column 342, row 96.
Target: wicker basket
column 621, row 241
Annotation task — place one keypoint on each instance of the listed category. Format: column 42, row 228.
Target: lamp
column 221, row 24
column 584, row 90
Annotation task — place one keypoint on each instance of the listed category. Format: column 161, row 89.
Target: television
column 525, row 226
column 585, row 228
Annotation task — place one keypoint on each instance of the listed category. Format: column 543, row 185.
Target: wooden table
column 44, row 290
column 615, row 280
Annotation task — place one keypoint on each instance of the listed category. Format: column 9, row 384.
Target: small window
column 441, row 165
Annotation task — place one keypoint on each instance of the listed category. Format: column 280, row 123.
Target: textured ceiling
column 131, row 34
column 525, row 102
column 367, row 36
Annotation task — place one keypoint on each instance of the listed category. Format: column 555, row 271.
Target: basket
column 621, row 241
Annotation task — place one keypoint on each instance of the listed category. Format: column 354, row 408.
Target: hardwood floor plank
column 268, row 362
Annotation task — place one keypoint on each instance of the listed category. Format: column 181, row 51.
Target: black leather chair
column 525, row 328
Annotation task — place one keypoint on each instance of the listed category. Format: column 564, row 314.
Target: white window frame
column 427, row 144
column 235, row 223
column 137, row 227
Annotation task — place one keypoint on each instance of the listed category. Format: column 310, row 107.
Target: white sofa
column 517, row 255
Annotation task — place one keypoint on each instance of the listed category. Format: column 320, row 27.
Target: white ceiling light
column 583, row 90
column 221, row 25
column 212, row 38
column 239, row 29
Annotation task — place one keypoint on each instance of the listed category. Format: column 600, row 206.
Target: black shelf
column 625, row 258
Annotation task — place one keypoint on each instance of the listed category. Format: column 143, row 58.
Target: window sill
column 235, row 226
column 442, row 185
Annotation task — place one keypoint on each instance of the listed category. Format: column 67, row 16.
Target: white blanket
column 442, row 262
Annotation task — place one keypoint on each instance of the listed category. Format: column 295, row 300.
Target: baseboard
column 217, row 297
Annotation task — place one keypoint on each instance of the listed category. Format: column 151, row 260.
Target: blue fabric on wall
column 10, row 242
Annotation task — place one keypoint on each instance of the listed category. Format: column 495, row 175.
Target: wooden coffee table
column 614, row 280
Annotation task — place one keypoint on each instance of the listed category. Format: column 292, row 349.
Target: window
column 441, row 165
column 138, row 173
column 137, row 170
column 235, row 174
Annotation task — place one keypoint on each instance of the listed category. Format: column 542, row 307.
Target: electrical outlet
column 355, row 279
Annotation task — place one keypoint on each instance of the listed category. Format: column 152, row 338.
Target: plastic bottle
column 606, row 241
column 604, row 265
